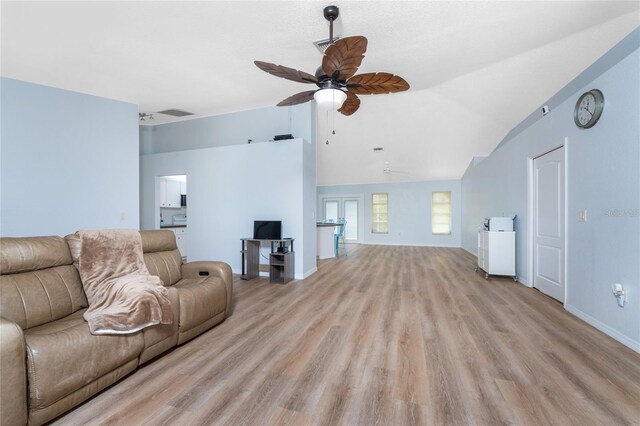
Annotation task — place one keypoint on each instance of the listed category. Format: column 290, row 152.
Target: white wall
column 303, row 123
column 229, row 188
column 235, row 128
column 603, row 177
column 69, row 161
column 409, row 211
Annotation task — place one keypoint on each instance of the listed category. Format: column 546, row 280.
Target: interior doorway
column 349, row 208
column 548, row 219
column 171, row 207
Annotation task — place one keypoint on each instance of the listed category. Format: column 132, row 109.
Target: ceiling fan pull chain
column 333, row 114
column 333, row 118
column 327, row 142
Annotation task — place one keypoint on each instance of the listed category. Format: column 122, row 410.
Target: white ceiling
column 476, row 68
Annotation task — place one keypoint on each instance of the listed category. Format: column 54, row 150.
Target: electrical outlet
column 619, row 294
column 582, row 216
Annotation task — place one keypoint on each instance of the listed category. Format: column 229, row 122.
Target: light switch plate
column 582, row 216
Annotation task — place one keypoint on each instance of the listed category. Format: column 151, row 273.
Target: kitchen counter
column 172, row 226
column 325, row 240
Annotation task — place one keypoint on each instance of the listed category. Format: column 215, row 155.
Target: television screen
column 267, row 230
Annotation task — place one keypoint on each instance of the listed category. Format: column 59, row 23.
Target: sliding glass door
column 351, row 208
column 347, row 208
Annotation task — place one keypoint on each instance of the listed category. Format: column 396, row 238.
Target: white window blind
column 380, row 213
column 441, row 213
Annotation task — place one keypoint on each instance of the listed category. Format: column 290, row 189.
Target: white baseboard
column 604, row 328
column 524, row 282
column 306, row 274
column 239, row 272
column 473, row 253
column 266, row 274
column 405, row 245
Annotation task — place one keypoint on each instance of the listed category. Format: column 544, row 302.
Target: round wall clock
column 588, row 109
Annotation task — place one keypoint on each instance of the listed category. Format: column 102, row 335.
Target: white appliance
column 497, row 253
column 179, row 219
column 504, row 224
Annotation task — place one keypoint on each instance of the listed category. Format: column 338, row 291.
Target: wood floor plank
column 409, row 414
column 310, row 382
column 339, row 396
column 410, row 379
column 376, row 405
column 384, row 335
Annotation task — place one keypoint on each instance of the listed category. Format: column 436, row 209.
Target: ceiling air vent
column 322, row 45
column 378, row 148
column 175, row 112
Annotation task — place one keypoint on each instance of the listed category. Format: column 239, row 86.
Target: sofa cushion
column 165, row 265
column 161, row 255
column 160, row 337
column 155, row 240
column 62, row 357
column 32, row 253
column 200, row 300
column 34, row 298
column 38, row 283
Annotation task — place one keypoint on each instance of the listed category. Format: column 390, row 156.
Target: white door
column 331, row 208
column 548, row 223
column 347, row 208
column 351, row 216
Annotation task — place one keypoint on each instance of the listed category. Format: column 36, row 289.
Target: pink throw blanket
column 123, row 297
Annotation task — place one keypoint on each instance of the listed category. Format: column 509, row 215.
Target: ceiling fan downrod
column 331, row 14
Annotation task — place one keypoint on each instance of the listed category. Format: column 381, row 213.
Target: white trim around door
column 341, row 199
column 551, row 249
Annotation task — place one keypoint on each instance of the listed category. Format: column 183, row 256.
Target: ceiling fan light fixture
column 330, row 98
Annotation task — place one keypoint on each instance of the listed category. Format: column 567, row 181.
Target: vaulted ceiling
column 476, row 68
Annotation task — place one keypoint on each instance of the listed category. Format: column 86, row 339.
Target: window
column 380, row 213
column 441, row 213
column 331, row 210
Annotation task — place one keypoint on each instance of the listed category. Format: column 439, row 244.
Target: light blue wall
column 69, row 161
column 232, row 183
column 305, row 125
column 229, row 188
column 409, row 211
column 235, row 128
column 603, row 177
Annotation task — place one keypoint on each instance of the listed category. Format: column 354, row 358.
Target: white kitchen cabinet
column 169, row 193
column 183, row 188
column 497, row 253
column 181, row 240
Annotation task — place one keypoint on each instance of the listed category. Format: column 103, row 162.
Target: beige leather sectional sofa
column 49, row 362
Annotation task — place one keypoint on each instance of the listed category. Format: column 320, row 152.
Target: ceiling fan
column 387, row 170
column 336, row 78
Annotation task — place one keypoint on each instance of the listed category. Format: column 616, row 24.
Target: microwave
column 504, row 224
column 183, row 200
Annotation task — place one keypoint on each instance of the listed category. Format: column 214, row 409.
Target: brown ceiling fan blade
column 376, row 83
column 350, row 105
column 344, row 57
column 286, row 72
column 298, row 98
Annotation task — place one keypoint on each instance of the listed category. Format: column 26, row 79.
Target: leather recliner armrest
column 216, row 269
column 13, row 370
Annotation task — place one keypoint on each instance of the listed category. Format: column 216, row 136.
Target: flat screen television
column 267, row 230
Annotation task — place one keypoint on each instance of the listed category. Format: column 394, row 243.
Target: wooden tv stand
column 281, row 264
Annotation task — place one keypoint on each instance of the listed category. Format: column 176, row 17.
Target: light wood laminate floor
column 388, row 336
